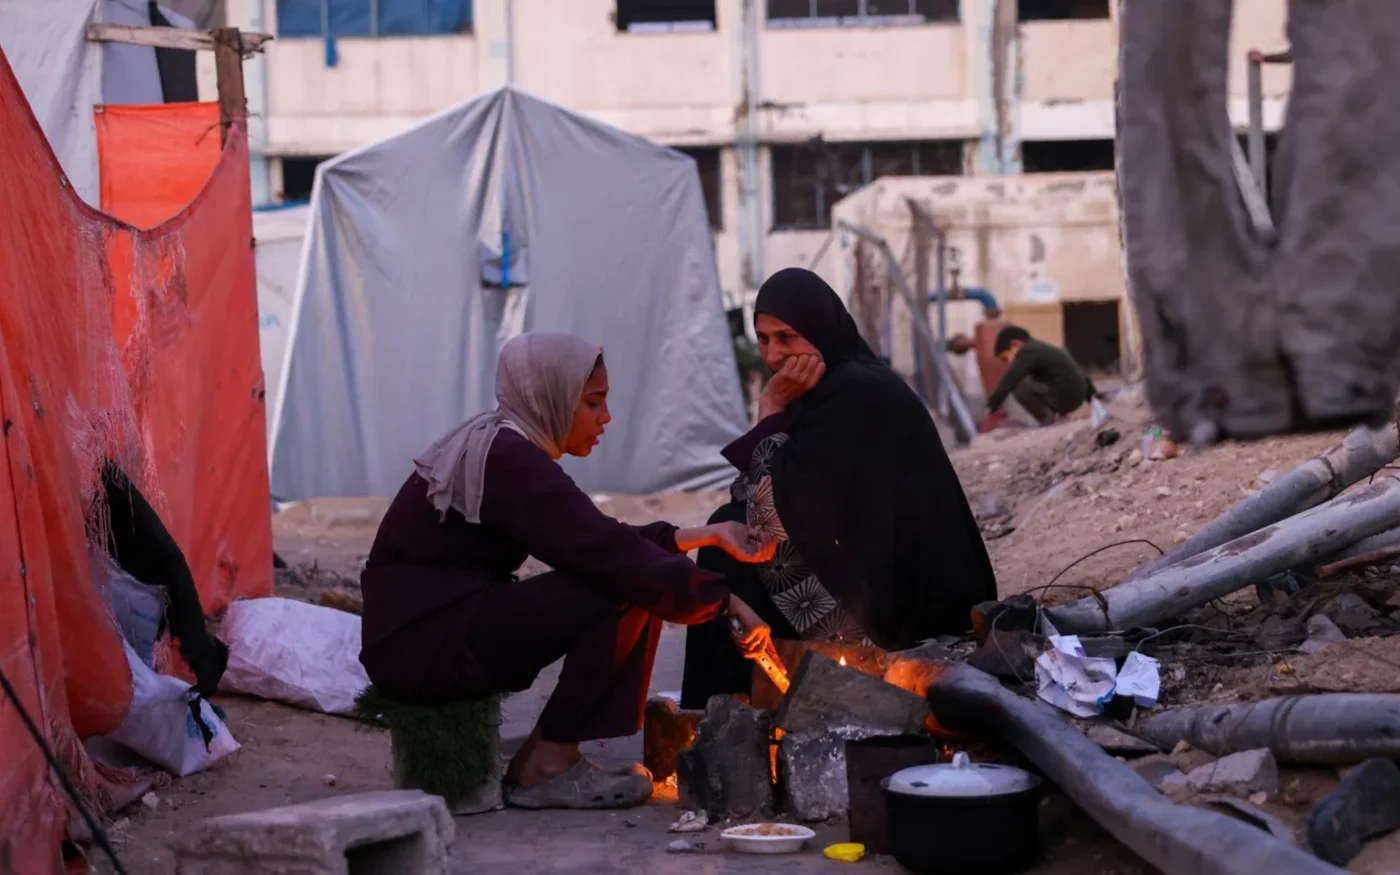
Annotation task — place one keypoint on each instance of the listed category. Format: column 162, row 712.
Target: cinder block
column 393, row 832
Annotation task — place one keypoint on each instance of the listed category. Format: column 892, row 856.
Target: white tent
column 64, row 76
column 278, row 237
column 507, row 214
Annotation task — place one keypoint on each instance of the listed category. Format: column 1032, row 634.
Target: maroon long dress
column 444, row 617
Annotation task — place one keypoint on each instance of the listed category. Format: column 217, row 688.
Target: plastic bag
column 289, row 651
column 170, row 724
column 137, row 607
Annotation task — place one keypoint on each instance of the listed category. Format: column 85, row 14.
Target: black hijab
column 864, row 487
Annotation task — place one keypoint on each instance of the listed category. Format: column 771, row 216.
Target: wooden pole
column 1171, row 591
column 228, row 64
column 1175, row 839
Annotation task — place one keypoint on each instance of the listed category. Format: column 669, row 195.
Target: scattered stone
column 1277, row 633
column 727, row 770
column 1163, row 491
column 1018, row 613
column 1008, row 654
column 989, row 505
column 400, row 831
column 1175, row 787
column 685, row 846
column 1268, row 476
column 1118, row 742
column 330, row 780
column 812, row 771
column 1321, row 632
column 666, row 731
column 691, row 821
column 824, row 694
column 1353, row 616
column 1135, row 458
column 1107, row 438
column 151, row 801
column 1258, row 798
column 1239, row 774
column 1250, row 813
column 1155, row 770
column 1364, row 806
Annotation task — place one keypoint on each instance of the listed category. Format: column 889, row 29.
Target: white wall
column 898, row 82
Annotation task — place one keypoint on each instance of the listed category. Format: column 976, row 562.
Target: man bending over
column 1043, row 378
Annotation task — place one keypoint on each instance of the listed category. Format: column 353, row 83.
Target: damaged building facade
column 787, row 106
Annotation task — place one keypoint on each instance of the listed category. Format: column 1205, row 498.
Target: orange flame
column 843, row 660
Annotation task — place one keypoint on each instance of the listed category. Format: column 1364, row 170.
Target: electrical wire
column 98, row 834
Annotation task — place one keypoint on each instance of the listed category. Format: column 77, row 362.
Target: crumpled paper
column 1081, row 685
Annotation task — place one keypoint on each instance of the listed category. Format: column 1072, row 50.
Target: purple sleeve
column 740, row 453
column 661, row 534
column 533, row 501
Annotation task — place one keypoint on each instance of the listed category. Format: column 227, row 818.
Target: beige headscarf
column 539, row 380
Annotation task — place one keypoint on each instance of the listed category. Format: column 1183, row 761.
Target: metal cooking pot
column 963, row 817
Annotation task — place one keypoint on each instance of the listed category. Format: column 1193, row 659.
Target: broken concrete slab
column 1365, row 805
column 392, row 832
column 824, row 693
column 812, row 780
column 1239, row 774
column 1353, row 616
column 1157, row 770
column 728, row 769
column 666, row 731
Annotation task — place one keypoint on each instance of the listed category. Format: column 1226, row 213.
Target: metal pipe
column 964, row 426
column 1258, row 153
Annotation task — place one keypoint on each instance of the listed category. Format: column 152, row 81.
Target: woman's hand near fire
column 748, row 629
column 744, row 543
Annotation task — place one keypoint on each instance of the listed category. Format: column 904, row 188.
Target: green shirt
column 1049, row 365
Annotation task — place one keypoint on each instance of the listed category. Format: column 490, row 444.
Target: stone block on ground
column 1157, row 770
column 870, row 660
column 393, row 832
column 666, row 731
column 812, row 781
column 1365, row 805
column 825, row 694
column 1321, row 632
column 728, row 769
column 1239, row 774
column 1354, row 616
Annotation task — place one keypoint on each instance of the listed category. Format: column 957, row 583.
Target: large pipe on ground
column 1175, row 839
column 1359, row 455
column 1300, row 540
column 1331, row 729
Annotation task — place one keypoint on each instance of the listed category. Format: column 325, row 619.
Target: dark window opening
column 707, row 165
column 859, row 13
column 1058, row 156
column 1091, row 335
column 643, row 16
column 372, row 18
column 1062, row 10
column 809, row 179
column 298, row 175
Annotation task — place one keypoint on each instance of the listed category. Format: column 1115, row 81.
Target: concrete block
column 825, row 694
column 393, row 832
column 812, row 779
column 1239, row 774
column 727, row 771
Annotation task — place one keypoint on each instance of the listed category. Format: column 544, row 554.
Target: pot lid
column 961, row 778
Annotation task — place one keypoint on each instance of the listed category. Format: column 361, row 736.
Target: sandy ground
column 1045, row 498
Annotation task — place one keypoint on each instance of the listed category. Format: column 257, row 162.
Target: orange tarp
column 152, row 160
column 175, row 396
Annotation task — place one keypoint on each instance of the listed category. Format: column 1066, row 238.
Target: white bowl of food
column 767, row 838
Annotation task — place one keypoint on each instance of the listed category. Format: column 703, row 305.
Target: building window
column 665, row 16
column 1062, row 10
column 372, row 18
column 809, row 179
column 1058, row 156
column 859, row 13
column 298, row 175
column 707, row 165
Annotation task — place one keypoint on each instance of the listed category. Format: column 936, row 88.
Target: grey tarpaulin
column 1247, row 336
column 400, row 309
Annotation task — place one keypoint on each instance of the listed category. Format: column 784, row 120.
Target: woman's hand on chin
column 738, row 540
column 794, row 379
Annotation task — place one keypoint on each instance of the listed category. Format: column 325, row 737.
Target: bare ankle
column 547, row 760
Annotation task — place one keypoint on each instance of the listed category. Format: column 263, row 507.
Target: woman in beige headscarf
column 444, row 617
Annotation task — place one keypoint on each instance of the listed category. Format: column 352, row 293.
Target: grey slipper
column 586, row 786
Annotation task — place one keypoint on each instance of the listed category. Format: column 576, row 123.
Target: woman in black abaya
column 845, row 470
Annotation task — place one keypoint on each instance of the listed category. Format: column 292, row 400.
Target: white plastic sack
column 137, row 607
column 161, row 725
column 289, row 651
